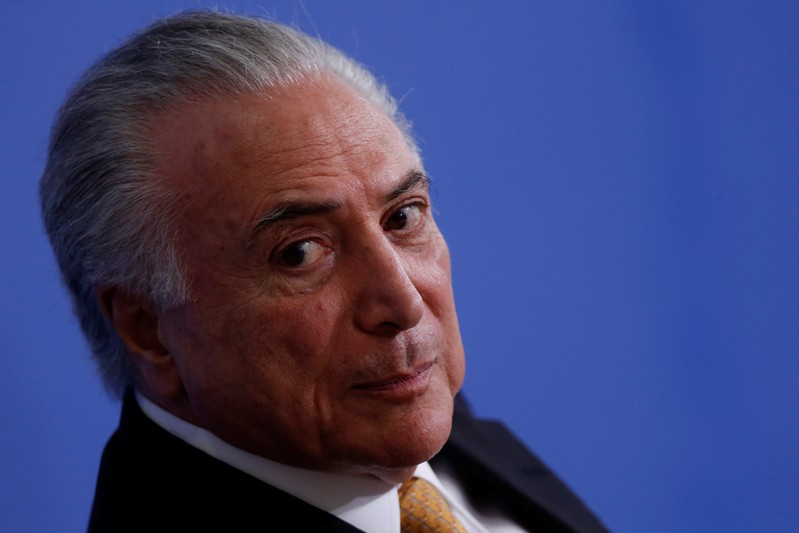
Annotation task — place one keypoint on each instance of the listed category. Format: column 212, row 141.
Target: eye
column 300, row 253
column 407, row 216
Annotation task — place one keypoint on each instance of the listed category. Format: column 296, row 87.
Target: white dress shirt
column 366, row 502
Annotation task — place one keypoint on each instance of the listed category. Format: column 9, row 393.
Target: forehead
column 319, row 129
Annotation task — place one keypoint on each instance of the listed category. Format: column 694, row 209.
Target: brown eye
column 300, row 253
column 408, row 215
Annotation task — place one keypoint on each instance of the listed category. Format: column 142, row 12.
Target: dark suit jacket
column 151, row 481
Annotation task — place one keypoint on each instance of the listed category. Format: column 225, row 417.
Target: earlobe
column 135, row 320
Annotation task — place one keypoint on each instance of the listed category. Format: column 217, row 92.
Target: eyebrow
column 290, row 211
column 413, row 180
column 293, row 210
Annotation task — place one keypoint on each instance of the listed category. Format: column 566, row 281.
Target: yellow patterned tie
column 425, row 510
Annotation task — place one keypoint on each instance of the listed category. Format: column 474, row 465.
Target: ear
column 135, row 320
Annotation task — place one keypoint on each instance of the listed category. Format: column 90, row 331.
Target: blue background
column 619, row 185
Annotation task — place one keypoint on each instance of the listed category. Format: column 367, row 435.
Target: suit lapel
column 492, row 452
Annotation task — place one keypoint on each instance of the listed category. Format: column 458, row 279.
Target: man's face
column 322, row 330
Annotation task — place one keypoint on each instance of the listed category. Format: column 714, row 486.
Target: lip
column 400, row 385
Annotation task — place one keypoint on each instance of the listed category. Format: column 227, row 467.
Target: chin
column 398, row 461
column 415, row 439
column 395, row 439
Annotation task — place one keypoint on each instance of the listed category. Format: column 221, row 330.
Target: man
column 243, row 220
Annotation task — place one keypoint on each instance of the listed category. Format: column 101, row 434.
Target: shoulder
column 151, row 481
column 493, row 465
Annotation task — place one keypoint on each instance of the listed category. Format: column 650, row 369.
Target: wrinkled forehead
column 212, row 141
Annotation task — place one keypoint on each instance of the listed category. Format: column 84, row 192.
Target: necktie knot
column 424, row 510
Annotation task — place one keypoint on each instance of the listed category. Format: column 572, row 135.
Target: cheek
column 288, row 339
column 255, row 362
column 437, row 273
column 433, row 279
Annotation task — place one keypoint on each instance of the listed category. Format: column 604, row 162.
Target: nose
column 387, row 300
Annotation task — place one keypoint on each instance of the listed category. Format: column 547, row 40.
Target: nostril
column 390, row 325
column 389, row 328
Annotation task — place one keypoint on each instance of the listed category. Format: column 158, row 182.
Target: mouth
column 410, row 383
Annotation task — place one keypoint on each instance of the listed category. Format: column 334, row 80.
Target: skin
column 321, row 331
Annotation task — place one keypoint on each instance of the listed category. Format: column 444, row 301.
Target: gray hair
column 111, row 222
